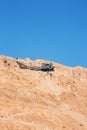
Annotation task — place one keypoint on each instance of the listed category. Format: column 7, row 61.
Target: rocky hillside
column 36, row 100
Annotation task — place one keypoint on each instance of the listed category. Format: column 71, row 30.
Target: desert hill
column 36, row 100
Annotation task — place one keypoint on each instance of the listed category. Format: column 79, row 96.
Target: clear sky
column 55, row 30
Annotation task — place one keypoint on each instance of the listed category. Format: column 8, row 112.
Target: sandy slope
column 31, row 100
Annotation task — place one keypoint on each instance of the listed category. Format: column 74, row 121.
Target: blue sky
column 55, row 30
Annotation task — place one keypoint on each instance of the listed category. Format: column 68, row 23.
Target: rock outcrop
column 36, row 100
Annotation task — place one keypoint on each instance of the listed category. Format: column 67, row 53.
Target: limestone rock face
column 36, row 100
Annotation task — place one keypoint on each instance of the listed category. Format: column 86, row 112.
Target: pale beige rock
column 35, row 100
